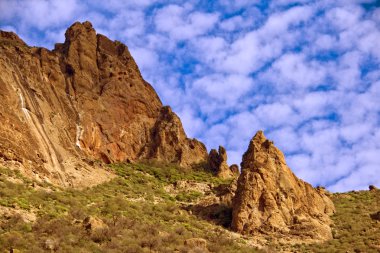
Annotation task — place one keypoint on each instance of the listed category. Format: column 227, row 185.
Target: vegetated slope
column 131, row 213
column 356, row 225
column 135, row 212
column 356, row 228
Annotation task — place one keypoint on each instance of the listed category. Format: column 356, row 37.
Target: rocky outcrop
column 375, row 216
column 372, row 188
column 93, row 224
column 170, row 144
column 217, row 163
column 82, row 102
column 271, row 199
column 234, row 168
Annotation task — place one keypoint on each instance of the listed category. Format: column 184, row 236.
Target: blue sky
column 305, row 72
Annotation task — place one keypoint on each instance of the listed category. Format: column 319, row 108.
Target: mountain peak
column 85, row 101
column 11, row 36
column 271, row 198
column 259, row 137
column 80, row 30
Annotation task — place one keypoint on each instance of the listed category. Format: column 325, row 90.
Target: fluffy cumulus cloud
column 306, row 72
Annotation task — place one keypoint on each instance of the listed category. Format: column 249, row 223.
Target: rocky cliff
column 84, row 101
column 271, row 199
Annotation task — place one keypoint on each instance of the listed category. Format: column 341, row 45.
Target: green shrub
column 139, row 215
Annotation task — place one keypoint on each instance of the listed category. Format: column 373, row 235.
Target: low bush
column 138, row 214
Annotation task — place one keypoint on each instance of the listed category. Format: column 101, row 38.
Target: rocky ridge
column 84, row 101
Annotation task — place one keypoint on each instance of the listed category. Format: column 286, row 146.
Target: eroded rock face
column 170, row 144
column 84, row 101
column 217, row 163
column 271, row 199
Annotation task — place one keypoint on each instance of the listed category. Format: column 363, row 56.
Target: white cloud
column 275, row 115
column 193, row 125
column 180, row 23
column 256, row 48
column 344, row 18
column 295, row 69
column 287, row 140
column 226, row 89
column 237, row 4
column 313, row 104
column 42, row 14
column 145, row 58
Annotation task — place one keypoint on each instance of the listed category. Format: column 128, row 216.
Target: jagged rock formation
column 85, row 100
column 271, row 199
column 217, row 163
column 169, row 142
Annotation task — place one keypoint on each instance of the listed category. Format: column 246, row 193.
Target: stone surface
column 217, row 163
column 84, row 101
column 170, row 144
column 92, row 224
column 375, row 216
column 372, row 188
column 271, row 199
column 234, row 168
column 51, row 244
column 7, row 213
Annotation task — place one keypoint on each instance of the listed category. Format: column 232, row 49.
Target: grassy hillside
column 354, row 228
column 134, row 213
column 131, row 213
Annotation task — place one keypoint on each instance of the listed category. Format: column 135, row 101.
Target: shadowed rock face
column 86, row 99
column 271, row 199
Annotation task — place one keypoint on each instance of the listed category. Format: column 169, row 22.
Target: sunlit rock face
column 217, row 163
column 271, row 199
column 84, row 101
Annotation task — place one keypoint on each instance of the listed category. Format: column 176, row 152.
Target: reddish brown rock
column 170, row 144
column 271, row 199
column 217, row 163
column 85, row 100
column 234, row 168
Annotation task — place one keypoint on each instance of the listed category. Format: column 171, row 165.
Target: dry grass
column 135, row 220
column 354, row 230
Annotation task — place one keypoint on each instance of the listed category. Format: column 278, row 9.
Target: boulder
column 271, row 199
column 234, row 168
column 375, row 216
column 93, row 224
column 372, row 188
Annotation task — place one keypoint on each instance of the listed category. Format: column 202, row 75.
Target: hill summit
column 84, row 101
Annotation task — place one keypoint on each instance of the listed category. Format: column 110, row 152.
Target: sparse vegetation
column 137, row 214
column 140, row 216
column 354, row 229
